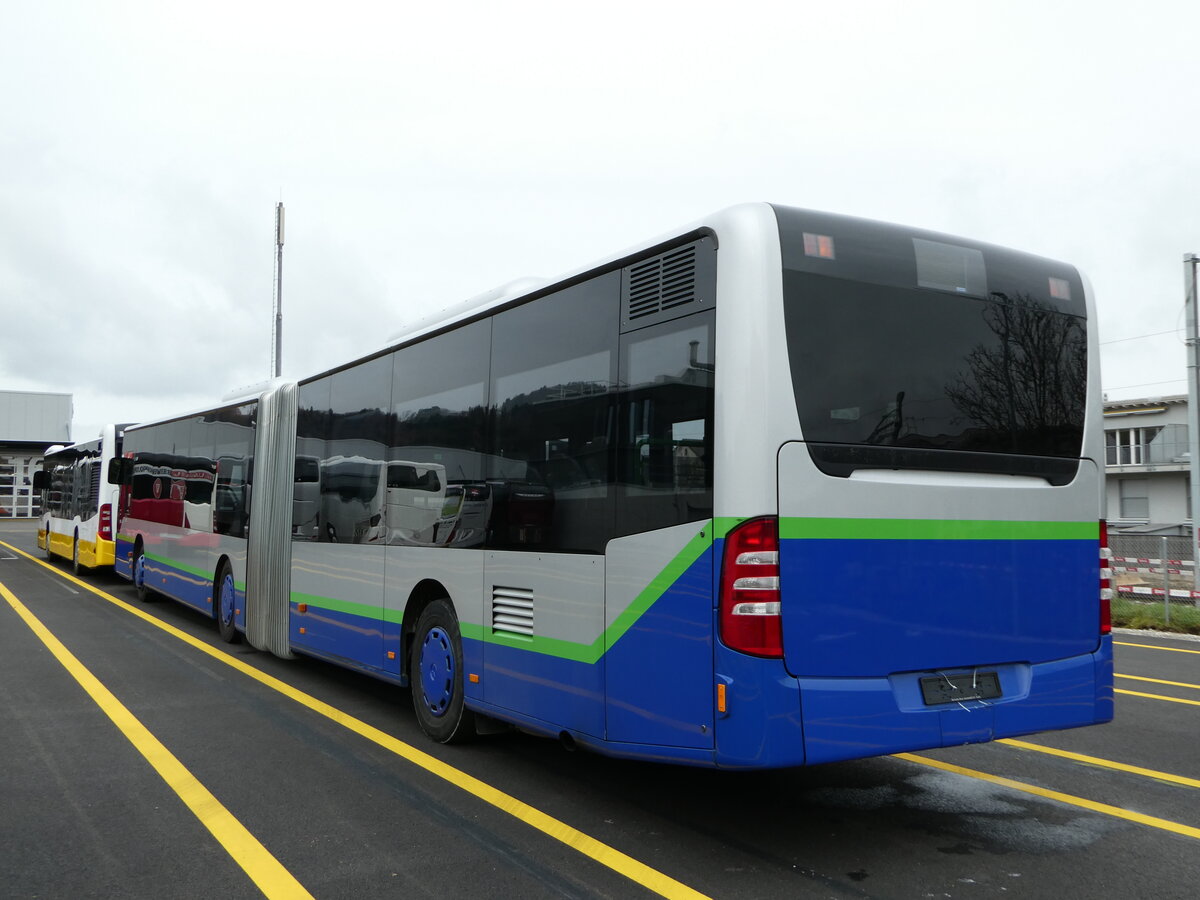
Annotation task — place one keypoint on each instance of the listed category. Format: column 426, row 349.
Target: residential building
column 1147, row 465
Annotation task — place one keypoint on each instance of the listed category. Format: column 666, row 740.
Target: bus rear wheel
column 225, row 607
column 75, row 566
column 436, row 675
column 139, row 575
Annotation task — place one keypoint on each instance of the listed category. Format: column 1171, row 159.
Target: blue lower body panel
column 333, row 634
column 565, row 692
column 122, row 564
column 848, row 718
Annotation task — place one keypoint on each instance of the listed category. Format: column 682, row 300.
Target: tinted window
column 353, row 469
column 437, row 494
column 200, row 437
column 861, row 250
column 172, row 489
column 666, row 417
column 232, row 433
column 312, row 430
column 143, row 440
column 911, row 349
column 554, row 369
column 359, row 402
column 884, row 367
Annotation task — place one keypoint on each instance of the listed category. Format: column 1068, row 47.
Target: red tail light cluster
column 106, row 531
column 749, row 598
column 1105, row 581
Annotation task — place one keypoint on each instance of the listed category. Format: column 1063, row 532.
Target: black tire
column 46, row 549
column 76, row 568
column 225, row 604
column 435, row 673
column 138, row 574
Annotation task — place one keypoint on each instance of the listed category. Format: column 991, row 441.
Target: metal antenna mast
column 1193, row 358
column 278, row 329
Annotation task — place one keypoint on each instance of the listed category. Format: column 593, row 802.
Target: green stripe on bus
column 591, row 653
column 364, row 610
column 936, row 530
column 180, row 567
column 659, row 585
column 188, row 570
column 571, row 650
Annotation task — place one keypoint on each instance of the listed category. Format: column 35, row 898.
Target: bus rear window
column 888, row 377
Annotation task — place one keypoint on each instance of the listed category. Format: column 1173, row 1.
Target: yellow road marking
column 1106, row 809
column 1154, row 647
column 1182, row 684
column 1157, row 697
column 607, row 856
column 264, row 870
column 1103, row 763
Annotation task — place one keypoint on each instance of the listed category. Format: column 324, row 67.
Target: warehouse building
column 29, row 423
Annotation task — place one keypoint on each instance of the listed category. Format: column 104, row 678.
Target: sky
column 426, row 153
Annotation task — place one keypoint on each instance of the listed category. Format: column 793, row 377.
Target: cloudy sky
column 428, row 152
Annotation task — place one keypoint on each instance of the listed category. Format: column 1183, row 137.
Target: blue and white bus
column 778, row 488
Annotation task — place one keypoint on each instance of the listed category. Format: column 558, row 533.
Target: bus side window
column 666, row 415
column 553, row 381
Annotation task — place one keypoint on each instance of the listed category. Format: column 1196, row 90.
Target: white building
column 29, row 423
column 1147, row 465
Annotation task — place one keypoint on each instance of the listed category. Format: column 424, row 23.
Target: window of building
column 1149, row 445
column 1135, row 498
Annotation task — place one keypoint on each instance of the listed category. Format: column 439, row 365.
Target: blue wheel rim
column 139, row 571
column 226, row 601
column 437, row 671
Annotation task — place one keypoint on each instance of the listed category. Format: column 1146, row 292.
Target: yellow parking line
column 1155, row 647
column 607, row 856
column 1104, row 808
column 1182, row 684
column 264, row 870
column 1103, row 763
column 1157, row 697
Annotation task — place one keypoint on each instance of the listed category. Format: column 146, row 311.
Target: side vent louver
column 512, row 610
column 670, row 285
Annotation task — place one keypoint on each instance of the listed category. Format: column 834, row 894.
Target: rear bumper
column 776, row 720
column 847, row 718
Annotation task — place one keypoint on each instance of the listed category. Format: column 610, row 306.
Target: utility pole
column 1193, row 344
column 278, row 352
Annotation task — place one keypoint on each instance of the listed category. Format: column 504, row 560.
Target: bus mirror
column 118, row 471
column 39, row 480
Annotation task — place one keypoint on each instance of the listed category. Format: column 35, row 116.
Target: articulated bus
column 78, row 504
column 779, row 488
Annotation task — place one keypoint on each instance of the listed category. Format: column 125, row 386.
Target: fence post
column 1166, row 582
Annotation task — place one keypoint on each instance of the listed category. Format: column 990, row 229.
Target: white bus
column 780, row 487
column 78, row 504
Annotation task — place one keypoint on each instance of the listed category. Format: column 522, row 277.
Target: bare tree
column 1034, row 380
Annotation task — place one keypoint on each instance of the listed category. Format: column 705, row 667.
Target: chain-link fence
column 1152, row 570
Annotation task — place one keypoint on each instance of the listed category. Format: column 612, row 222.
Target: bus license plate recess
column 938, row 689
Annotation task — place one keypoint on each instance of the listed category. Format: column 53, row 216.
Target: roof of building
column 1144, row 404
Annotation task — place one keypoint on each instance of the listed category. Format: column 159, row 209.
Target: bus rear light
column 757, row 583
column 1105, row 581
column 106, row 522
column 766, row 608
column 749, row 598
